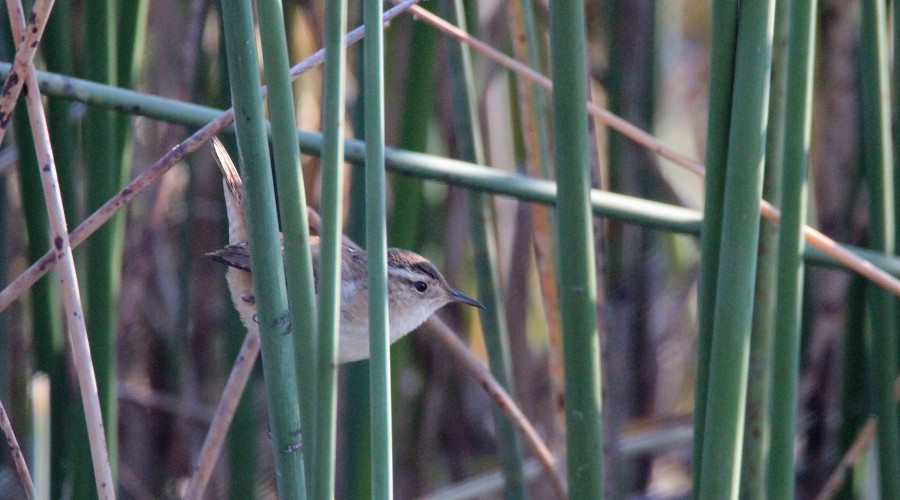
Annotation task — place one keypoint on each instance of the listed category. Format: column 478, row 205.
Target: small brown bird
column 415, row 287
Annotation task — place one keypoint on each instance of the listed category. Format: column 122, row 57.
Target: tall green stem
column 105, row 173
column 330, row 245
column 788, row 311
column 275, row 327
column 759, row 384
column 878, row 163
column 484, row 242
column 301, row 292
column 733, row 315
column 721, row 78
column 376, row 245
column 577, row 284
column 417, row 104
column 356, row 398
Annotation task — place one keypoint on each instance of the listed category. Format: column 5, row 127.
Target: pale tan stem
column 18, row 459
column 65, row 268
column 501, row 398
column 27, row 39
column 218, row 429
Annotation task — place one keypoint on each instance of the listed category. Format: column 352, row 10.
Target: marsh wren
column 416, row 289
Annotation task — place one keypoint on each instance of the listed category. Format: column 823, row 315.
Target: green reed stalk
column 879, row 167
column 330, row 245
column 301, row 292
column 103, row 264
column 757, row 426
column 788, row 312
column 732, row 319
column 376, row 245
column 577, row 272
column 357, row 464
column 721, row 81
column 276, row 344
column 484, row 242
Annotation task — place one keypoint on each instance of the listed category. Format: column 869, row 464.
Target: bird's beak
column 458, row 296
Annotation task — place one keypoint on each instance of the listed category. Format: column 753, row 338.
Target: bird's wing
column 237, row 256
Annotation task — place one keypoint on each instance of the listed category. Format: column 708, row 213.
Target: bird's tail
column 233, row 188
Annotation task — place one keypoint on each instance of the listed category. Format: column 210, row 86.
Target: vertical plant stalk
column 58, row 52
column 878, row 162
column 5, row 322
column 484, row 242
column 732, row 319
column 376, row 246
column 854, row 407
column 26, row 46
column 269, row 285
column 68, row 281
column 721, row 81
column 357, row 426
column 18, row 458
column 533, row 109
column 105, row 175
column 575, row 239
column 526, row 47
column 408, row 227
column 758, row 424
column 131, row 37
column 626, row 277
column 896, row 116
column 496, row 338
column 39, row 399
column 59, row 56
column 46, row 315
column 407, row 218
column 788, row 310
column 330, row 247
column 301, row 292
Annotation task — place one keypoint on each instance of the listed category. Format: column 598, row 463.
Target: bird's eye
column 421, row 286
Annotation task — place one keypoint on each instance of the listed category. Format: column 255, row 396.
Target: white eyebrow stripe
column 402, row 272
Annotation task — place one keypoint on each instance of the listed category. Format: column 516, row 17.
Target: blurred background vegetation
column 164, row 335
